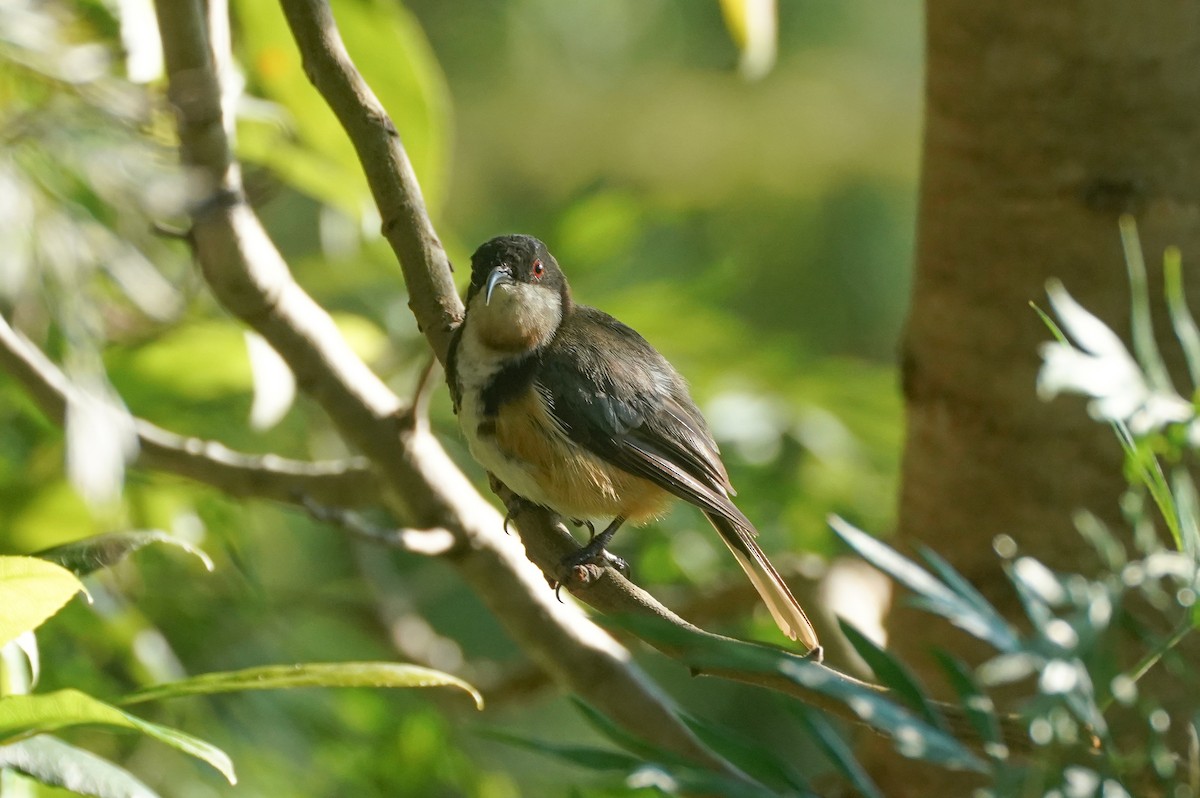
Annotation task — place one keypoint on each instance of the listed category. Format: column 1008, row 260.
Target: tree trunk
column 1043, row 123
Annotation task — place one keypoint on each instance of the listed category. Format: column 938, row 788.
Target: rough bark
column 1044, row 122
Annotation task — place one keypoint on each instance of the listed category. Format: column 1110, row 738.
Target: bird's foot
column 513, row 504
column 588, row 563
column 591, row 554
column 575, row 522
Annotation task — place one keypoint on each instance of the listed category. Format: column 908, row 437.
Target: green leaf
column 627, row 741
column 838, row 752
column 102, row 551
column 1181, row 315
column 53, row 762
column 978, row 706
column 684, row 780
column 892, row 673
column 1140, row 323
column 582, row 756
column 748, row 755
column 912, row 736
column 31, row 590
column 25, row 715
column 312, row 151
column 932, row 594
column 313, row 674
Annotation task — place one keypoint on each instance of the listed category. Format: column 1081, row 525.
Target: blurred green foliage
column 759, row 233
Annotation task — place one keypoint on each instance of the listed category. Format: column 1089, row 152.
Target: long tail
column 786, row 611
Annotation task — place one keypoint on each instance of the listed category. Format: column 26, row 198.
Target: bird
column 575, row 411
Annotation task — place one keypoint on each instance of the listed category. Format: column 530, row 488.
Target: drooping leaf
column 579, row 755
column 25, row 715
column 892, row 673
column 53, row 762
column 838, row 752
column 750, row 756
column 629, row 742
column 932, row 595
column 978, row 706
column 668, row 779
column 103, row 551
column 31, row 590
column 312, row 674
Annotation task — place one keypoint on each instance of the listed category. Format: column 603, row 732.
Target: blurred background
column 758, row 231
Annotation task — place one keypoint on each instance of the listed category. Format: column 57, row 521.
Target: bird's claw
column 594, row 555
column 591, row 529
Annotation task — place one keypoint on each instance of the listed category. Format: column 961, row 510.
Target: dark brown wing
column 616, row 396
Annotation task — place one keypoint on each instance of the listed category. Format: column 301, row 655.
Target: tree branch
column 406, row 225
column 347, row 482
column 438, row 309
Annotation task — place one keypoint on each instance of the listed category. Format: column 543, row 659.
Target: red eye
column 538, row 269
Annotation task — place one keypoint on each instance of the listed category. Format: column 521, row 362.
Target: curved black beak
column 500, row 274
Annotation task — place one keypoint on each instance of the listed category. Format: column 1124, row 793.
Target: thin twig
column 349, row 482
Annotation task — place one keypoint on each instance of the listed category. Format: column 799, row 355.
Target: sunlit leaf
column 1181, row 315
column 31, row 590
column 53, row 762
column 102, row 551
column 1141, row 325
column 274, row 383
column 320, row 674
column 932, row 594
column 957, row 582
column 753, row 27
column 26, row 644
column 25, row 715
column 101, row 441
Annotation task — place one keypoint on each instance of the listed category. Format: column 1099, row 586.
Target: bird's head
column 518, row 295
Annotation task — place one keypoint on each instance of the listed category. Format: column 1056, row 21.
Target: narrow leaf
column 1181, row 315
column 103, row 551
column 312, row 674
column 958, row 583
column 838, row 752
column 978, row 706
column 55, row 763
column 582, row 756
column 748, row 755
column 912, row 736
column 892, row 673
column 932, row 594
column 1141, row 324
column 31, row 590
column 631, row 743
column 25, row 715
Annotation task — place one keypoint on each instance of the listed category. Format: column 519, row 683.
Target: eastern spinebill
column 575, row 411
